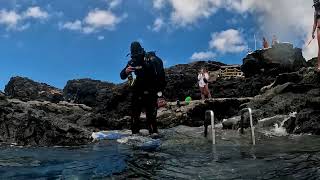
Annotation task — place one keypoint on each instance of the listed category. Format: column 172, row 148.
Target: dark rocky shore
column 278, row 81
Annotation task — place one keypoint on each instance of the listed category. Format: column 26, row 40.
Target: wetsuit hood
column 136, row 49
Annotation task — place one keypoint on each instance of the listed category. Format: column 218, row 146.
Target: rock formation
column 280, row 58
column 26, row 90
column 292, row 92
column 313, row 62
column 42, row 123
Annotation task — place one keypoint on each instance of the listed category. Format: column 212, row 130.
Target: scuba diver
column 148, row 85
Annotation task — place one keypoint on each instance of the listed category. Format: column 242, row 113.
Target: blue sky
column 56, row 41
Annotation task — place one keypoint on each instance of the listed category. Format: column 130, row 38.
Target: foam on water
column 279, row 130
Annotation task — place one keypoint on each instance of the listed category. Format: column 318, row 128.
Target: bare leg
column 202, row 93
column 208, row 91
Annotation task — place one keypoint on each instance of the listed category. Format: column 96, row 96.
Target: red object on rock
column 161, row 102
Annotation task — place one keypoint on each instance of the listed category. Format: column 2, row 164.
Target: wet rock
column 231, row 123
column 26, row 90
column 38, row 123
column 300, row 95
column 290, row 124
column 307, row 121
column 271, row 121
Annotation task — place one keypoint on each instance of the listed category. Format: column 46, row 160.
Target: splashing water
column 279, row 129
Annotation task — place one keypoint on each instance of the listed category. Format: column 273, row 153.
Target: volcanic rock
column 313, row 62
column 289, row 95
column 26, row 90
column 281, row 58
column 38, row 123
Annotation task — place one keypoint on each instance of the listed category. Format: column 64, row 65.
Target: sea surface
column 184, row 154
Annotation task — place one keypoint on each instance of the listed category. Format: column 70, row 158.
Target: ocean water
column 184, row 154
column 93, row 161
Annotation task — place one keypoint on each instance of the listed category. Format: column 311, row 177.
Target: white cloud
column 95, row 21
column 74, row 26
column 229, row 41
column 101, row 19
column 9, row 18
column 157, row 24
column 158, row 4
column 100, row 38
column 187, row 12
column 36, row 12
column 88, row 30
column 18, row 21
column 203, row 55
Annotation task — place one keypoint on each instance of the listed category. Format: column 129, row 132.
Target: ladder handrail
column 253, row 138
column 210, row 114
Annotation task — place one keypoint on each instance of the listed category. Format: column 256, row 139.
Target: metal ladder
column 209, row 117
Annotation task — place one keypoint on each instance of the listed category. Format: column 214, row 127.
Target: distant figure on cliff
column 203, row 79
column 274, row 40
column 150, row 81
column 316, row 25
column 265, row 43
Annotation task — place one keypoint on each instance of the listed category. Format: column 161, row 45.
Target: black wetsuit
column 144, row 91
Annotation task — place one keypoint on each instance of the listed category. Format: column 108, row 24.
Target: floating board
column 109, row 135
column 138, row 142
